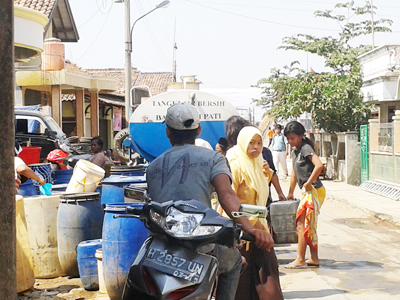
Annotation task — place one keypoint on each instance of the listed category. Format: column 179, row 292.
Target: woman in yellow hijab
column 260, row 280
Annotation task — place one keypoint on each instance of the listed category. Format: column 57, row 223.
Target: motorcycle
column 169, row 264
column 56, row 157
column 65, row 156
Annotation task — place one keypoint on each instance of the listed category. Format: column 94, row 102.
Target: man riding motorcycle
column 187, row 172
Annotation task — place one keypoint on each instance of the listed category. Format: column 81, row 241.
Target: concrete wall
column 28, row 32
column 341, row 152
column 384, row 166
column 353, row 159
column 381, row 88
column 381, row 61
column 381, row 70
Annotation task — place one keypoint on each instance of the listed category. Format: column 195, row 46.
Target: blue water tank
column 128, row 170
column 112, row 190
column 62, row 176
column 147, row 130
column 87, row 264
column 28, row 189
column 122, row 239
column 80, row 218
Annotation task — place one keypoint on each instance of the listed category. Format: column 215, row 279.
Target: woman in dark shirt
column 306, row 170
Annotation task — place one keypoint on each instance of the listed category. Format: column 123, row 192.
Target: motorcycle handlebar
column 134, row 211
column 247, row 237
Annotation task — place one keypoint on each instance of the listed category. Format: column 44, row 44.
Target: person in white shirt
column 21, row 168
column 280, row 149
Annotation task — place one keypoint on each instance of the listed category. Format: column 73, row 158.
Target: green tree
column 333, row 99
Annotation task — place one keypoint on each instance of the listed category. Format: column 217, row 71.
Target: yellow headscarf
column 252, row 168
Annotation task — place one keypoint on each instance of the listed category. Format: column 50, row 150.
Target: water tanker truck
column 146, row 136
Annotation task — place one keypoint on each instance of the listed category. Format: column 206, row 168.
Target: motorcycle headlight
column 183, row 225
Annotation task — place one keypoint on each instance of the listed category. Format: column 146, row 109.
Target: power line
column 101, row 29
column 89, row 18
column 152, row 36
column 220, row 84
column 297, row 1
column 258, row 19
column 185, row 61
column 104, row 5
column 251, row 6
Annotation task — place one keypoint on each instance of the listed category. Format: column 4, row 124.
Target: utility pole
column 8, row 278
column 128, row 63
column 174, row 56
column 372, row 24
column 128, row 50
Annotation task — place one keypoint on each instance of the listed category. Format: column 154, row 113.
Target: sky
column 228, row 44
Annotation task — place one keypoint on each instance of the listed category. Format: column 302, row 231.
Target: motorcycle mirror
column 50, row 132
column 136, row 194
column 248, row 210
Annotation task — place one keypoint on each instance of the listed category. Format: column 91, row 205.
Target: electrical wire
column 279, row 8
column 156, row 43
column 255, row 6
column 185, row 61
column 278, row 23
column 89, row 18
column 153, row 37
column 101, row 29
column 104, row 5
column 258, row 19
column 297, row 1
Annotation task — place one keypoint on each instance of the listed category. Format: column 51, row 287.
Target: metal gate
column 364, row 134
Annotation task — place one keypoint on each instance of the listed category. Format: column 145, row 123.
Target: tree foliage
column 333, row 99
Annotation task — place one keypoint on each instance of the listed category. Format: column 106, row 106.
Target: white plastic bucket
column 41, row 219
column 85, row 178
column 99, row 256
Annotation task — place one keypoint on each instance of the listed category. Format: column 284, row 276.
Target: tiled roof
column 68, row 97
column 103, row 98
column 74, row 68
column 156, row 81
column 43, row 6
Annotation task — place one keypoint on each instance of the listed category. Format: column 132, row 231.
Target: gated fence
column 384, row 150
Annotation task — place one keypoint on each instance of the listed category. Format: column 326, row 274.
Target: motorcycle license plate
column 173, row 265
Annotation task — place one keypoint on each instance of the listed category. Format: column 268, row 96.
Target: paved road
column 360, row 258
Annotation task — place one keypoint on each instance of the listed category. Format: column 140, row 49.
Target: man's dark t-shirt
column 185, row 172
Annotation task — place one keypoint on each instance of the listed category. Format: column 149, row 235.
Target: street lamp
column 128, row 50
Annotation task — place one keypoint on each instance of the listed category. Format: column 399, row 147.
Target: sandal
column 311, row 265
column 295, row 266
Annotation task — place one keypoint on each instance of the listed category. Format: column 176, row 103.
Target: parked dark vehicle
column 38, row 130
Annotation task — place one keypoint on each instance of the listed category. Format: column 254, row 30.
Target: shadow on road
column 341, row 265
column 312, row 294
column 350, row 265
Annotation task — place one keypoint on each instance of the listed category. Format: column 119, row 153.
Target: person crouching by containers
column 306, row 170
column 98, row 157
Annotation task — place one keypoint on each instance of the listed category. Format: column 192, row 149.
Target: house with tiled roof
column 81, row 101
column 156, row 81
column 61, row 23
column 42, row 77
